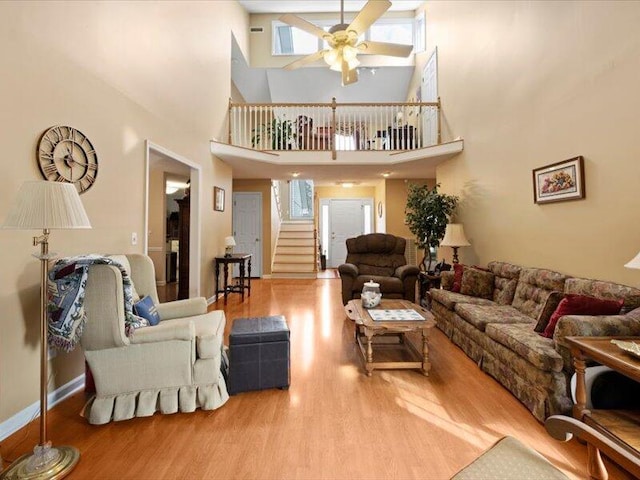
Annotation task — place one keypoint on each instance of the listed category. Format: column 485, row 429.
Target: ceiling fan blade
column 305, row 60
column 382, row 48
column 348, row 76
column 369, row 14
column 302, row 24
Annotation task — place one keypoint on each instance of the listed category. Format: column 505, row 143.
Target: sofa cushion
column 534, row 286
column 481, row 315
column 449, row 299
column 604, row 290
column 522, row 340
column 477, row 283
column 505, row 281
column 547, row 311
column 581, row 305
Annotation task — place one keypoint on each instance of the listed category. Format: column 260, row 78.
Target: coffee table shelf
column 379, row 337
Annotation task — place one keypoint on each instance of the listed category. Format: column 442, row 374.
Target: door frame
column 254, row 263
column 195, row 254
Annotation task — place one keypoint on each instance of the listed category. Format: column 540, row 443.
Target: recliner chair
column 378, row 257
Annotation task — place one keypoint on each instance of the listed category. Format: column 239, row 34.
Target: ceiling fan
column 343, row 41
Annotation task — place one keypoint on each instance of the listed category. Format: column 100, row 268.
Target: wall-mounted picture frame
column 218, row 199
column 559, row 182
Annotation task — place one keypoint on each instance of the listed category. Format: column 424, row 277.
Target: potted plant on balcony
column 280, row 131
column 427, row 214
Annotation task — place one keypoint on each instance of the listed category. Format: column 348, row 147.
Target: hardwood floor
column 333, row 422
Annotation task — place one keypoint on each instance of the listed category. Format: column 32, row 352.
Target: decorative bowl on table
column 370, row 299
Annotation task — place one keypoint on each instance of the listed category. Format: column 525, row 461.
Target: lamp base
column 45, row 463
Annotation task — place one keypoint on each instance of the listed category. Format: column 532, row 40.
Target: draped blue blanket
column 66, row 289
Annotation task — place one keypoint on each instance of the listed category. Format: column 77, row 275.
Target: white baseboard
column 160, row 283
column 23, row 417
column 214, row 299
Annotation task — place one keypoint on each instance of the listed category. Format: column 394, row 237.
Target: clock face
column 66, row 155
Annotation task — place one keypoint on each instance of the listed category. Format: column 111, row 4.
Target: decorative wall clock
column 65, row 154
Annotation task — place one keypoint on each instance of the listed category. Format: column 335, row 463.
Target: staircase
column 295, row 254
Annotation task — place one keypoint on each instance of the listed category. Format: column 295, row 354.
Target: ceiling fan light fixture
column 331, row 57
column 349, row 52
column 353, row 63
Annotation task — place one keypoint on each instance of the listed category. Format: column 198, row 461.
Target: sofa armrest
column 188, row 307
column 164, row 332
column 348, row 269
column 406, row 271
column 595, row 326
column 446, row 280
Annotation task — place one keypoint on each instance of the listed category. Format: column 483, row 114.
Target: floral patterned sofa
column 493, row 316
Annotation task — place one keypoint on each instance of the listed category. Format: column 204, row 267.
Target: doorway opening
column 162, row 166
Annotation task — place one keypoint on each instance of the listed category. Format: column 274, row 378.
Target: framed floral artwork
column 559, row 181
column 218, row 199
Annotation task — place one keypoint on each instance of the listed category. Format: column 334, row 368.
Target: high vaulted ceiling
column 308, row 6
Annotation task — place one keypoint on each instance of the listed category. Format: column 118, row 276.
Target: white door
column 247, row 228
column 347, row 218
column 429, row 93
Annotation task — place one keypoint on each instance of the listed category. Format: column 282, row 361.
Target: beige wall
column 46, row 81
column 263, row 186
column 157, row 220
column 526, row 84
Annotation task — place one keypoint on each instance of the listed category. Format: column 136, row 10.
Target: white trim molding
column 28, row 414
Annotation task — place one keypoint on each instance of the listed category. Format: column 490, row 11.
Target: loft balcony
column 328, row 141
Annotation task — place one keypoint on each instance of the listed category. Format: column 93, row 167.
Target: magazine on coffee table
column 395, row 315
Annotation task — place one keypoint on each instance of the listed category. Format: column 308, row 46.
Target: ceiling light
column 295, row 174
column 386, row 174
column 347, row 184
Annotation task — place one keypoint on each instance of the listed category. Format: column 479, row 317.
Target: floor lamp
column 42, row 205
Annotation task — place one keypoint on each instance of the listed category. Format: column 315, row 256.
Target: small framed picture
column 218, row 199
column 559, row 181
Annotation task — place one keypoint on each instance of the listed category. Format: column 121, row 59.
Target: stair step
column 294, row 275
column 295, row 242
column 297, row 227
column 295, row 234
column 295, row 249
column 292, row 258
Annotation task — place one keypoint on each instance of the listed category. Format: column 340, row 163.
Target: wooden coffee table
column 374, row 336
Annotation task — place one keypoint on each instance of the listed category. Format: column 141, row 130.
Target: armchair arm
column 182, row 308
column 406, row 271
column 164, row 332
column 348, row 269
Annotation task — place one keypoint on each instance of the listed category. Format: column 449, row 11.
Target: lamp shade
column 454, row 236
column 229, row 241
column 634, row 262
column 41, row 204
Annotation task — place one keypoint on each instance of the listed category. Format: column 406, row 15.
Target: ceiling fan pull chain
column 342, row 11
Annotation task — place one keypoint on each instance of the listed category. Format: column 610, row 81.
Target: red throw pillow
column 458, row 270
column 581, row 305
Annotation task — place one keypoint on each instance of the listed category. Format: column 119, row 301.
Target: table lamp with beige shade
column 229, row 243
column 455, row 238
column 634, row 262
column 46, row 206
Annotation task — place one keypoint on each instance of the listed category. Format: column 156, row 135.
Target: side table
column 425, row 283
column 244, row 282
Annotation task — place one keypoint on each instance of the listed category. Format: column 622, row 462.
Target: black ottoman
column 258, row 354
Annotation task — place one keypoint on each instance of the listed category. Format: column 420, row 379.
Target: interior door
column 247, row 229
column 429, row 93
column 346, row 220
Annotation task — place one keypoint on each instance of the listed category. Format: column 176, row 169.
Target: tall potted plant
column 427, row 214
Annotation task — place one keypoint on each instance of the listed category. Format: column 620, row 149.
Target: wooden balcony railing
column 334, row 126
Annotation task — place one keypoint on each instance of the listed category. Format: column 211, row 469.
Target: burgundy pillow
column 581, row 305
column 458, row 270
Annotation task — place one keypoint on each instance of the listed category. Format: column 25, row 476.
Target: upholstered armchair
column 378, row 257
column 173, row 366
